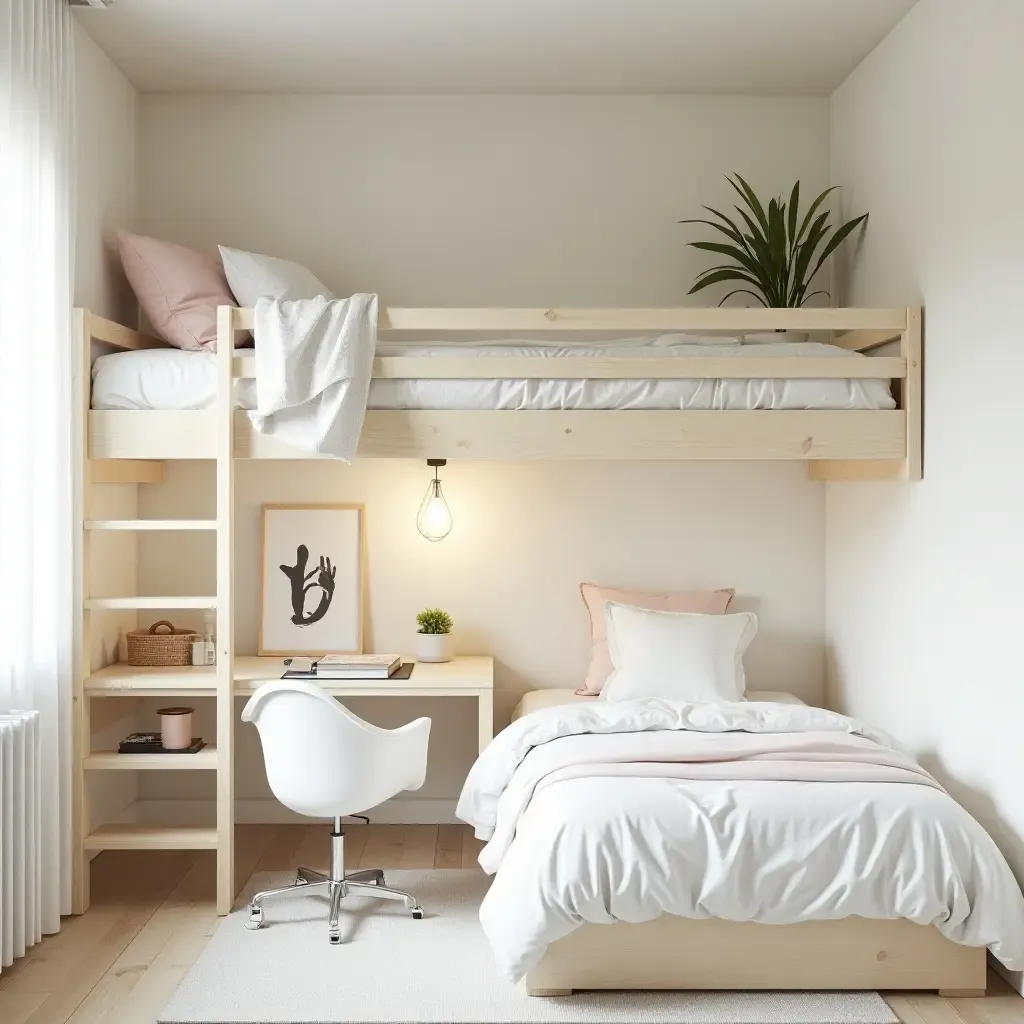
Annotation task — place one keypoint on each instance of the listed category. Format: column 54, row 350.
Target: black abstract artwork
column 320, row 577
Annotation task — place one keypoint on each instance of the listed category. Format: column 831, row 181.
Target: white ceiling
column 778, row 47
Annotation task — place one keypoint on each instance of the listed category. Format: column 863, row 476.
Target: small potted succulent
column 433, row 638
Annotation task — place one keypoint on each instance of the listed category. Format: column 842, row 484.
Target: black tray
column 124, row 747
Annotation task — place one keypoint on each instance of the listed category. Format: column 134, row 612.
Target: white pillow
column 253, row 277
column 676, row 655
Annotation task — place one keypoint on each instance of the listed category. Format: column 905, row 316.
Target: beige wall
column 525, row 535
column 491, row 201
column 924, row 580
column 500, row 200
column 106, row 154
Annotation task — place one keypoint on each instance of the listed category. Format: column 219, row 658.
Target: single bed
column 760, row 844
column 170, row 379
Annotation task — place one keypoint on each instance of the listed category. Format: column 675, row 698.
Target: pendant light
column 434, row 520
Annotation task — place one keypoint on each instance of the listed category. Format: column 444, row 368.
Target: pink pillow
column 179, row 290
column 703, row 602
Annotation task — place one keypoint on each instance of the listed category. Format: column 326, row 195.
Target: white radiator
column 21, row 889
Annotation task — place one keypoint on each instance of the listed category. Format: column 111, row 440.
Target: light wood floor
column 153, row 912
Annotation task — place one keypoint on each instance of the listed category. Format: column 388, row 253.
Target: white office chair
column 325, row 762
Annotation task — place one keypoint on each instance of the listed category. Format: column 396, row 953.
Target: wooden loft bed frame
column 130, row 447
column 838, row 445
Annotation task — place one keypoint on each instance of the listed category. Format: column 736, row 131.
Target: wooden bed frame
column 837, row 445
column 130, row 447
column 679, row 953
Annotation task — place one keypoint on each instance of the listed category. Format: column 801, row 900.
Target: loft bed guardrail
column 837, row 444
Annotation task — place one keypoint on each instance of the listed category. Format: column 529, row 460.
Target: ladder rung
column 111, row 760
column 146, row 601
column 151, row 837
column 151, row 524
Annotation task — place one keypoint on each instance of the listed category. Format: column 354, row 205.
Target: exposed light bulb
column 434, row 520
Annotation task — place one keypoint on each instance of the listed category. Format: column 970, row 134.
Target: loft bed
column 838, row 443
column 130, row 446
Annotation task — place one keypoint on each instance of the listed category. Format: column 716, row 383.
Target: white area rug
column 391, row 969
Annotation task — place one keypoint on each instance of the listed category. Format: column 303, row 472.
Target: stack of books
column 356, row 666
column 344, row 666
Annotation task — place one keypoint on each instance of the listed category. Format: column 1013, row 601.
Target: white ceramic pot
column 433, row 647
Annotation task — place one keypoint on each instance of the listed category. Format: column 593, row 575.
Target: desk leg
column 486, row 718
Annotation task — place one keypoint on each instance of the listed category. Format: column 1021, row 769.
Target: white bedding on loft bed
column 171, row 379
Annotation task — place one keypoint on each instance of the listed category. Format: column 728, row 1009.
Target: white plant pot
column 433, row 647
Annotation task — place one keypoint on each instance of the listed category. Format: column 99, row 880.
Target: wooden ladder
column 134, row 683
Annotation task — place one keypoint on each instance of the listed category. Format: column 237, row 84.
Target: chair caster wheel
column 334, row 938
column 417, row 913
column 255, row 921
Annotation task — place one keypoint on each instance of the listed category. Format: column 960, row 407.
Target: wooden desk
column 463, row 676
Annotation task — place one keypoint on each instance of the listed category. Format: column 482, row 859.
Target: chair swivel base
column 337, row 886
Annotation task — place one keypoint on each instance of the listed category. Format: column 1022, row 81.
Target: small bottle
column 210, row 636
column 199, row 650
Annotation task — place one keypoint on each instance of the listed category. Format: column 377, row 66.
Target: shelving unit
column 124, row 680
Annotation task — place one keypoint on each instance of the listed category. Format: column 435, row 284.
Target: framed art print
column 313, row 575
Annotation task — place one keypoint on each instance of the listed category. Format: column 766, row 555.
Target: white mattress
column 168, row 378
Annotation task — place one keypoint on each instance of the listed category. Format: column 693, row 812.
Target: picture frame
column 312, row 579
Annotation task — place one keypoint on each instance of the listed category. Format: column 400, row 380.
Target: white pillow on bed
column 252, row 276
column 676, row 655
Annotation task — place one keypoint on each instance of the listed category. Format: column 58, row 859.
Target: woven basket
column 149, row 649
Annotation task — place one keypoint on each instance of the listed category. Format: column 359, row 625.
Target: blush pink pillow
column 702, row 602
column 179, row 290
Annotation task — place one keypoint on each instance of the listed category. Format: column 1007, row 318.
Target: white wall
column 106, row 154
column 924, row 580
column 492, row 201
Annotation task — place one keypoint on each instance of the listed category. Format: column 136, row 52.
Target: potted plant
column 433, row 638
column 773, row 252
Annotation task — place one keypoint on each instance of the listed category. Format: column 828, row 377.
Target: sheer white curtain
column 36, row 586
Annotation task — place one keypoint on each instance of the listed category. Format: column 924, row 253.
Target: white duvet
column 623, row 811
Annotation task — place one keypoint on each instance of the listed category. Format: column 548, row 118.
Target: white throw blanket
column 314, row 360
column 626, row 810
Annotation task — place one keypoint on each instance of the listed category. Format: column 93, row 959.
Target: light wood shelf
column 151, row 837
column 141, row 602
column 111, row 760
column 129, row 680
column 151, row 524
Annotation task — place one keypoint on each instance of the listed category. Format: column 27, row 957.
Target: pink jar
column 175, row 728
